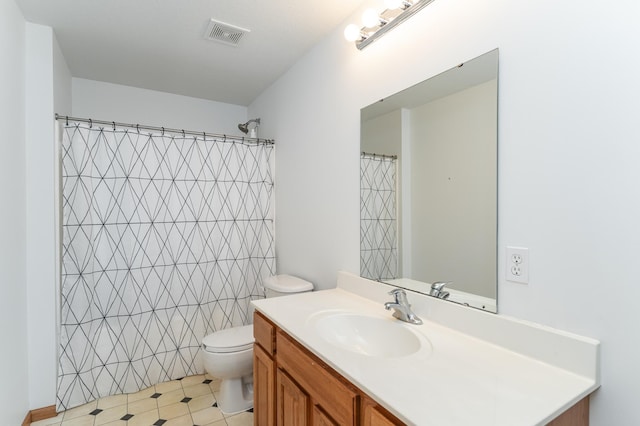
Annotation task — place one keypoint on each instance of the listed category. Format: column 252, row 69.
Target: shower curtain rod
column 164, row 130
column 369, row 154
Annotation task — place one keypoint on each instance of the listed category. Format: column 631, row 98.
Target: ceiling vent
column 224, row 33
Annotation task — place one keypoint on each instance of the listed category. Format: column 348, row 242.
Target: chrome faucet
column 437, row 289
column 402, row 308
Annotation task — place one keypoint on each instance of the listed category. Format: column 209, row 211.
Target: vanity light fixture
column 375, row 25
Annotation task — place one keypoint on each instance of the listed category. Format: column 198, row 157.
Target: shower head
column 245, row 127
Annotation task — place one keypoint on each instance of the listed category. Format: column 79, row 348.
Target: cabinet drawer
column 264, row 332
column 318, row 379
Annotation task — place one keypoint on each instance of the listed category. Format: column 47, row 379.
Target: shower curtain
column 378, row 225
column 165, row 238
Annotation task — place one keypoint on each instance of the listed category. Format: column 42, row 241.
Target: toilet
column 228, row 354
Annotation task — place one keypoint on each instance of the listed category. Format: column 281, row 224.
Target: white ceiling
column 159, row 44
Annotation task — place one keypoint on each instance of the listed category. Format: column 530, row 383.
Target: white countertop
column 456, row 378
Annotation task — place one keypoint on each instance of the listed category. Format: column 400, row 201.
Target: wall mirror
column 428, row 185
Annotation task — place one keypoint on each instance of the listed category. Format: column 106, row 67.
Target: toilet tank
column 282, row 285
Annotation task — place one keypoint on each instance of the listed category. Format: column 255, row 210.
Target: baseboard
column 39, row 414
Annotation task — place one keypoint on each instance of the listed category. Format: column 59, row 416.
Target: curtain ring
column 113, row 123
column 183, row 133
column 90, row 124
column 163, row 131
column 138, row 128
column 67, row 120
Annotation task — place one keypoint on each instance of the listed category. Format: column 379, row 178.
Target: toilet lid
column 230, row 340
column 287, row 284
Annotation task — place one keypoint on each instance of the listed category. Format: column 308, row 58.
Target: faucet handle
column 402, row 307
column 439, row 285
column 399, row 295
column 437, row 289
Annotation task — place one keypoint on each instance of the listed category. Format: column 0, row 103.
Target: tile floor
column 186, row 402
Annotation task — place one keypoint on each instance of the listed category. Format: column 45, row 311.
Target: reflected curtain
column 378, row 224
column 165, row 239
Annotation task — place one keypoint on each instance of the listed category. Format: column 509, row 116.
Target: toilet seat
column 234, row 339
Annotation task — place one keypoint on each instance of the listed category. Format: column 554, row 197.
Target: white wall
column 61, row 81
column 113, row 102
column 13, row 313
column 48, row 89
column 569, row 155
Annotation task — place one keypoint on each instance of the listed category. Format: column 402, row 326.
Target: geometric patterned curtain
column 166, row 238
column 378, row 224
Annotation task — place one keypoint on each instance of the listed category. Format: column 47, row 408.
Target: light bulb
column 352, row 32
column 370, row 18
column 393, row 4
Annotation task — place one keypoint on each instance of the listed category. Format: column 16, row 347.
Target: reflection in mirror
column 429, row 185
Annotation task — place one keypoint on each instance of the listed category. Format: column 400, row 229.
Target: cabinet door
column 374, row 415
column 264, row 386
column 327, row 389
column 320, row 418
column 292, row 403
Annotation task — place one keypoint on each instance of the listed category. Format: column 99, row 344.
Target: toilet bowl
column 228, row 354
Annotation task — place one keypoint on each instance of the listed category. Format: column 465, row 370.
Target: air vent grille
column 224, row 33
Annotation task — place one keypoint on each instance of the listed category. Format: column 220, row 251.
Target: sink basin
column 368, row 335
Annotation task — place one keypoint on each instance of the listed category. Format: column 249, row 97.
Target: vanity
column 295, row 387
column 337, row 357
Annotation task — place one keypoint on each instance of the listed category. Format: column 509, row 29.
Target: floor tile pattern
column 190, row 401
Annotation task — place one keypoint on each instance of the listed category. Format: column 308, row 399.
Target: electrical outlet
column 517, row 269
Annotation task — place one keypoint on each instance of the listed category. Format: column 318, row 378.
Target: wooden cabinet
column 374, row 415
column 578, row 415
column 292, row 403
column 264, row 333
column 264, row 404
column 264, row 372
column 320, row 418
column 327, row 389
column 294, row 387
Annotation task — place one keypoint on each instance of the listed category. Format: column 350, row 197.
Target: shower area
column 378, row 216
column 166, row 236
